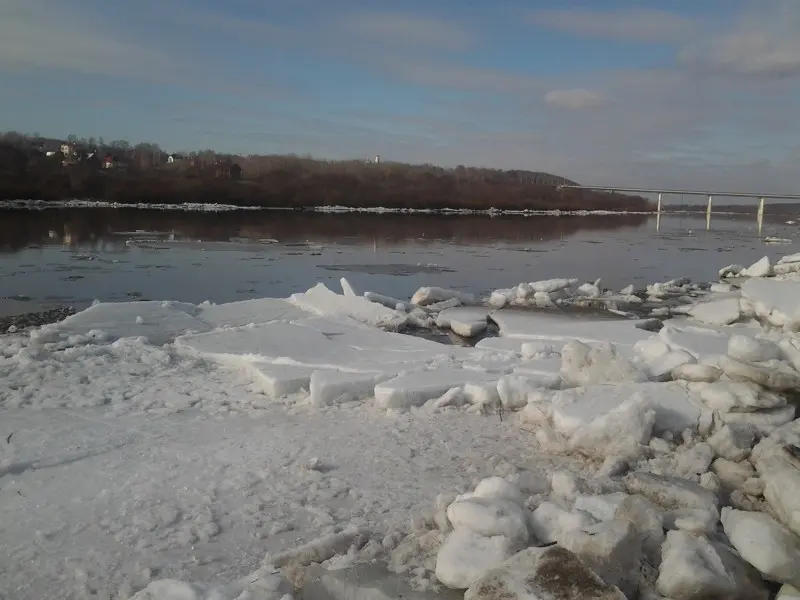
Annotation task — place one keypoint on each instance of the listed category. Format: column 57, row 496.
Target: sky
column 657, row 93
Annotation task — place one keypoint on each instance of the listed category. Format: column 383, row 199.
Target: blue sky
column 679, row 93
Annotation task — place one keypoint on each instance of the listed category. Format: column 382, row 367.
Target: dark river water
column 61, row 257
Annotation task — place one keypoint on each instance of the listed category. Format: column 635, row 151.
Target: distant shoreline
column 221, row 207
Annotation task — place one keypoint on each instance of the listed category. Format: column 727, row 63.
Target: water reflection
column 107, row 230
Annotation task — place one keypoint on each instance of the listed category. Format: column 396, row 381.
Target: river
column 59, row 257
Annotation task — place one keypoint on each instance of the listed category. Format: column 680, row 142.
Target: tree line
column 142, row 174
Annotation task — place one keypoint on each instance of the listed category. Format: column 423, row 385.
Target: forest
column 34, row 168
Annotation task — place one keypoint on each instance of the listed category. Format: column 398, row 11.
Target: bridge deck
column 605, row 188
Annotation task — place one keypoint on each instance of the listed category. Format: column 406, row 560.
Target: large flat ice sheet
column 537, row 326
column 325, row 303
column 260, row 310
column 298, row 345
column 159, row 322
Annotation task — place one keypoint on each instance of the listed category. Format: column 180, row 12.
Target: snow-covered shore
column 177, row 451
column 217, row 207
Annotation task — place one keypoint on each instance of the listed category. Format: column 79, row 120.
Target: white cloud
column 397, row 28
column 575, row 98
column 636, row 24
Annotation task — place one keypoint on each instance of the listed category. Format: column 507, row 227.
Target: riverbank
column 297, row 183
column 327, row 439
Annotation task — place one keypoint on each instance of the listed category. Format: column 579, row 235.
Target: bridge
column 762, row 198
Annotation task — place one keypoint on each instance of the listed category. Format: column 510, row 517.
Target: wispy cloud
column 575, row 98
column 461, row 77
column 48, row 35
column 763, row 43
column 393, row 28
column 636, row 24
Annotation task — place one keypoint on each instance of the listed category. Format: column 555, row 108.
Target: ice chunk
column 548, row 286
column 414, row 389
column 432, row 295
column 347, row 289
column 536, row 326
column 733, row 442
column 619, row 432
column 717, row 312
column 648, row 520
column 675, row 409
column 727, row 396
column 775, row 375
column 583, row 365
column 464, row 321
column 549, row 522
column 776, row 301
column 732, row 474
column 671, row 493
column 730, row 271
column 159, row 322
column 497, row 487
column 764, row 543
column 387, row 301
column 698, row 341
column 788, row 592
column 662, row 368
column 321, row 301
column 760, row 268
column 612, row 549
column 261, row 310
column 602, row 506
column 748, row 349
column 543, row 574
column 693, row 568
column 336, row 387
column 781, row 475
column 765, row 421
column 483, row 394
column 514, row 391
column 696, row 373
column 490, row 517
column 279, row 381
column 466, row 556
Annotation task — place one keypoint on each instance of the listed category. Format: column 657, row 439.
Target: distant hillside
column 127, row 175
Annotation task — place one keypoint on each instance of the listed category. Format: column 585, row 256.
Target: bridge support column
column 658, row 209
column 708, row 213
column 760, row 217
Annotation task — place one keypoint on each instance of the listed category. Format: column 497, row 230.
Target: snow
column 171, row 450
